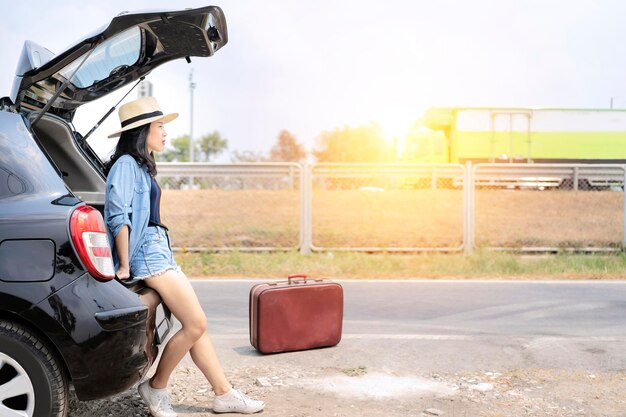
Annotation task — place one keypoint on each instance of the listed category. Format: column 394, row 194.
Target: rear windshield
column 110, row 56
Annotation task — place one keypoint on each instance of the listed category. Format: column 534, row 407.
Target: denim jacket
column 127, row 202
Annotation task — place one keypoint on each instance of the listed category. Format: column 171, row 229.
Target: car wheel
column 32, row 383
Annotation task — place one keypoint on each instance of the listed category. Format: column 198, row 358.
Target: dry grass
column 217, row 218
column 396, row 218
column 399, row 218
column 549, row 218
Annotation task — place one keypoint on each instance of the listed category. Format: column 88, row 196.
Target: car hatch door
column 131, row 46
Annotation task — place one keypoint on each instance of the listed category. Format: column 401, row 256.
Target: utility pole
column 145, row 89
column 192, row 85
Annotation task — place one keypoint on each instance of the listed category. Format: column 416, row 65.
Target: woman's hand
column 123, row 272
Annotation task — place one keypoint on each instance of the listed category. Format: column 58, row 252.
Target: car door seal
column 61, row 89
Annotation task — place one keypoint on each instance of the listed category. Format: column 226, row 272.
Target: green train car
column 519, row 135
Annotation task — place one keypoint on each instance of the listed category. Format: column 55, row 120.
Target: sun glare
column 396, row 126
column 393, row 128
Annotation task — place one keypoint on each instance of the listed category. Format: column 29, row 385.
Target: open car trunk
column 80, row 167
column 48, row 88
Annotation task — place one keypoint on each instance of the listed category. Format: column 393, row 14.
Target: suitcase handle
column 294, row 276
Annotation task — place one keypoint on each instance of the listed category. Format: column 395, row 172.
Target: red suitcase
column 297, row 314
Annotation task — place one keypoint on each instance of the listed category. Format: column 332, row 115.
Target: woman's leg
column 205, row 358
column 180, row 297
column 177, row 292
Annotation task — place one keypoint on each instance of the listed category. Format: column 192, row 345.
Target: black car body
column 63, row 317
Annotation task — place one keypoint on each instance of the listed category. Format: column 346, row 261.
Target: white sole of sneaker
column 252, row 411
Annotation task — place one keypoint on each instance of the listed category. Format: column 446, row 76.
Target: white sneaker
column 157, row 400
column 235, row 401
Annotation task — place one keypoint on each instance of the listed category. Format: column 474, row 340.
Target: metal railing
column 247, row 206
column 394, row 207
column 190, row 175
column 545, row 176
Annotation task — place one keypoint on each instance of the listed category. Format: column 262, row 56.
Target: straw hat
column 140, row 112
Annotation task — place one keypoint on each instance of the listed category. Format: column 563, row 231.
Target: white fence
column 394, row 207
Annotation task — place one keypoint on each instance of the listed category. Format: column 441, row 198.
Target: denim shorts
column 154, row 256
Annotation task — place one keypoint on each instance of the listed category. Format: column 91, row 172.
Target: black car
column 64, row 317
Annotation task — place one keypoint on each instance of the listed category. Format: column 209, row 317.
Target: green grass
column 484, row 265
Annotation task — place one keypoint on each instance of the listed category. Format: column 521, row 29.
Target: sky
column 314, row 66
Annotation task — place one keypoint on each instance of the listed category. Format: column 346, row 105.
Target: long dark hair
column 133, row 143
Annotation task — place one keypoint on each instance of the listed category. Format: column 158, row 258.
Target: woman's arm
column 121, row 247
column 119, row 197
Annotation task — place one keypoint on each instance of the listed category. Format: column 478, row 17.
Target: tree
column 178, row 151
column 353, row 144
column 210, row 145
column 287, row 149
column 247, row 156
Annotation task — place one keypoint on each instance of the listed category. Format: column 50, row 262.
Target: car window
column 110, row 56
column 24, row 169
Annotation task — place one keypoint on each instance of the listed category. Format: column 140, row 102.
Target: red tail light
column 90, row 240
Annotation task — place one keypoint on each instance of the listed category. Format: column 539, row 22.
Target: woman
column 141, row 249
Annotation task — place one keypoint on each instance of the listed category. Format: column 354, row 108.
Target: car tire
column 32, row 381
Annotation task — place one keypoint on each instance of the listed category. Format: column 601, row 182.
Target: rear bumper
column 112, row 332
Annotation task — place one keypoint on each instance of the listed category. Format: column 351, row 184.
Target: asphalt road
column 423, row 325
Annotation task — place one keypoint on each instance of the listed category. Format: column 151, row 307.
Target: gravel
column 297, row 392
